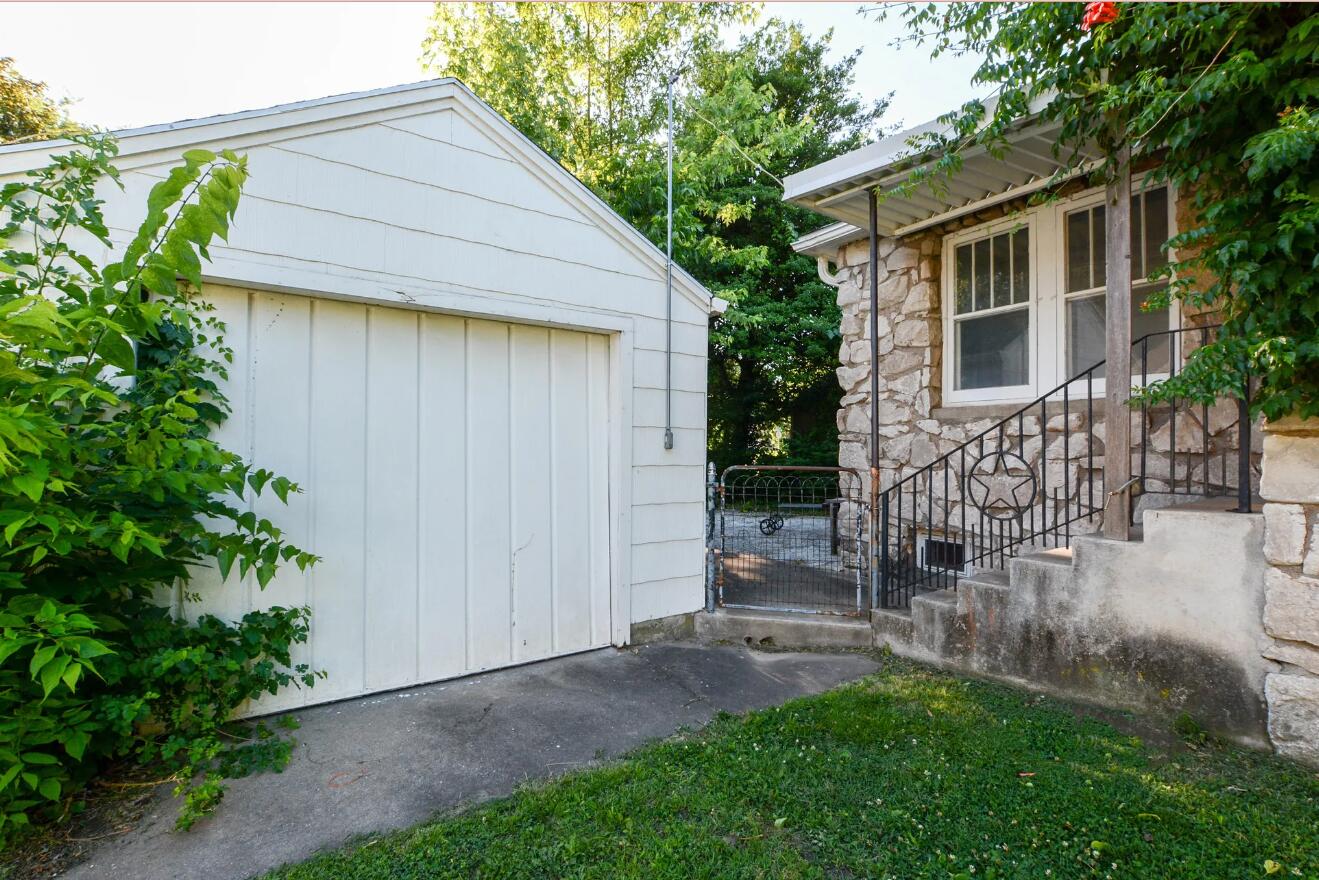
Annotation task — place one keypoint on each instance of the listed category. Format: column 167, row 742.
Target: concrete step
column 1147, row 501
column 934, row 621
column 783, row 629
column 1051, row 560
column 891, row 626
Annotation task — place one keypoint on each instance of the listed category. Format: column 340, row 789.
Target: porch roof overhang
column 839, row 188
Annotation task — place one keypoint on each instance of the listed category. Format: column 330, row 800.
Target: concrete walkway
column 391, row 761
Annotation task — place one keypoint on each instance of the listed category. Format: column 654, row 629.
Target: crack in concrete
column 669, row 676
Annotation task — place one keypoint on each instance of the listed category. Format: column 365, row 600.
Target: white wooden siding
column 456, row 486
column 435, row 206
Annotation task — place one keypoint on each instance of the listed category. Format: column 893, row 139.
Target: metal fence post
column 1243, row 449
column 879, row 579
column 711, row 496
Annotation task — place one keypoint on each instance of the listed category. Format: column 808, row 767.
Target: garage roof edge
column 18, row 158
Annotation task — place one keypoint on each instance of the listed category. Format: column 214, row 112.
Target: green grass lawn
column 909, row 773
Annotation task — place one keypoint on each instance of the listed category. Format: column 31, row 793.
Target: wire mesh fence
column 788, row 539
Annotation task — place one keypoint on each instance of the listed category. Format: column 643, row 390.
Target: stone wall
column 1290, row 488
column 915, row 428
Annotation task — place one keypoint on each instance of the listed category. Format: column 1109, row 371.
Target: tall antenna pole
column 668, row 288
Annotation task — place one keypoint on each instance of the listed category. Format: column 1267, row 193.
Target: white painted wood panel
column 688, row 370
column 336, row 492
column 572, row 514
column 442, row 623
column 667, row 484
column 279, row 401
column 530, row 507
column 670, row 522
column 457, row 486
column 688, row 409
column 665, row 598
column 392, row 501
column 664, row 560
column 489, row 542
column 432, row 207
column 597, row 440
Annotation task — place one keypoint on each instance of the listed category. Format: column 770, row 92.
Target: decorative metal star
column 998, row 492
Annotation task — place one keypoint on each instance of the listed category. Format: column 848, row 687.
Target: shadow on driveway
column 393, row 760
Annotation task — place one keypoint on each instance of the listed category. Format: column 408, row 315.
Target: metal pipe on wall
column 668, row 285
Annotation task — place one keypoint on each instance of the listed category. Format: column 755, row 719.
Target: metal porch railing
column 1036, row 478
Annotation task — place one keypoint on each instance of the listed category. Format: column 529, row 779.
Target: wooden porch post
column 1117, row 351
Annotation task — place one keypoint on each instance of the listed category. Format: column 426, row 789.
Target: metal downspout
column 873, row 204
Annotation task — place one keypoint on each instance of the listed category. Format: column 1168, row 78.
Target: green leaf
column 76, row 744
column 7, row 778
column 40, row 658
column 14, row 527
column 198, row 156
column 225, row 560
column 30, row 485
column 52, row 673
column 116, row 350
column 49, row 788
column 10, row 646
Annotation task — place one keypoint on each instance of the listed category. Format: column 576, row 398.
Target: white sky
column 131, row 64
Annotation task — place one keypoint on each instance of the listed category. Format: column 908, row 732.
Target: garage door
column 456, row 485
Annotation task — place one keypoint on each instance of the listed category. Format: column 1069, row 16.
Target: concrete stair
column 1168, row 621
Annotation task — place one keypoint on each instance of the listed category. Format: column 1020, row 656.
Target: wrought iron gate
column 787, row 539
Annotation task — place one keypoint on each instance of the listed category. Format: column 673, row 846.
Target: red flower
column 1098, row 13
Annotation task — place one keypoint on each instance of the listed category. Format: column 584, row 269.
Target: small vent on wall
column 937, row 554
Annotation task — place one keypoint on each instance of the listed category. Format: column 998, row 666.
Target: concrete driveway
column 391, row 761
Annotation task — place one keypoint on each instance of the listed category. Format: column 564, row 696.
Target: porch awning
column 838, row 188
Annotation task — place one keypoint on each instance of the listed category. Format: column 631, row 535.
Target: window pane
column 994, row 351
column 1078, row 250
column 1002, row 270
column 1020, row 266
column 1099, row 249
column 982, row 274
column 1155, row 350
column 1085, row 334
column 962, row 280
column 1156, row 229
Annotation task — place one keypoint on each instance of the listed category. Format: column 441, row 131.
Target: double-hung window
column 990, row 326
column 1084, row 282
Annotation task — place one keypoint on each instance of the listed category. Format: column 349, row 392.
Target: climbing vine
column 112, row 492
column 1220, row 98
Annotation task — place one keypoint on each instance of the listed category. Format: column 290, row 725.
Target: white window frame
column 1083, row 201
column 951, row 394
column 1047, row 298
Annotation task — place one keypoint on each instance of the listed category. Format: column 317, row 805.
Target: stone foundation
column 1290, row 488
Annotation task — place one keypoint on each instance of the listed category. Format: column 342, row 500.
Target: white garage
column 460, row 353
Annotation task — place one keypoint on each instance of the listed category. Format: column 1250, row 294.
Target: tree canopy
column 746, row 114
column 26, row 109
column 1220, row 99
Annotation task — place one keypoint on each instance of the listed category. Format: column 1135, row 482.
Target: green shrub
column 112, row 492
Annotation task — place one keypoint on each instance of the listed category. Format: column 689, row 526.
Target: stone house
column 989, row 299
column 989, row 332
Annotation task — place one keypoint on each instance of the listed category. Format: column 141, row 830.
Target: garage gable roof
column 153, row 144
